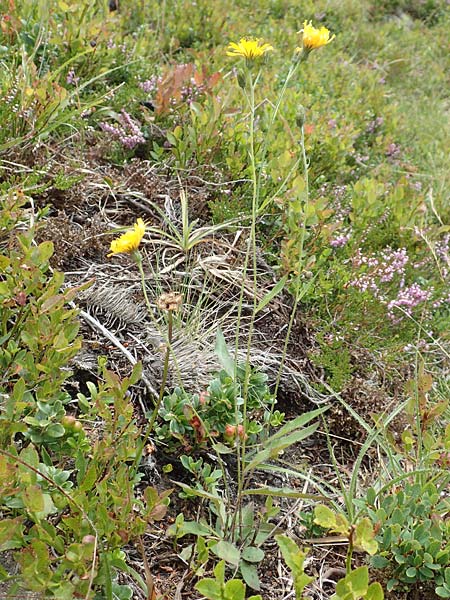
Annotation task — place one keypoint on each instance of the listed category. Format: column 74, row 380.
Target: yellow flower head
column 130, row 240
column 313, row 37
column 248, row 48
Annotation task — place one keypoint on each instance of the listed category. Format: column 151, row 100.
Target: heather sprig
column 128, row 132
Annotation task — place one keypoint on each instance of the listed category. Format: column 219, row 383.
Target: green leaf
column 359, row 579
column 33, row 498
column 443, row 592
column 379, row 562
column 253, row 554
column 371, row 496
column 296, row 423
column 45, row 250
column 196, row 492
column 271, row 294
column 274, row 446
column 426, row 572
column 228, row 552
column 190, row 528
column 234, row 590
column 375, row 592
column 222, row 448
column 294, row 558
column 11, row 531
column 51, row 303
column 89, row 478
column 411, row 572
column 365, row 536
column 225, row 360
column 209, row 588
column 250, row 575
column 219, row 571
column 291, row 433
column 264, row 532
column 391, row 584
column 56, row 430
column 353, row 585
column 324, row 516
column 30, row 456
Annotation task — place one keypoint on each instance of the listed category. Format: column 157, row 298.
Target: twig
column 95, row 324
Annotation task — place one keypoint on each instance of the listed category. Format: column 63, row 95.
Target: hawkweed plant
column 128, row 243
column 253, row 51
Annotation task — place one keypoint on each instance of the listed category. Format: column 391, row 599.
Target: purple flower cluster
column 189, row 92
column 340, row 241
column 442, row 249
column 71, row 78
column 128, row 133
column 374, row 125
column 379, row 269
column 389, row 266
column 192, row 91
column 341, row 207
column 407, row 299
column 149, row 86
column 393, row 151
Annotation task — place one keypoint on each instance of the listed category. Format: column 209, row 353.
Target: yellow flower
column 313, row 37
column 130, row 240
column 248, row 48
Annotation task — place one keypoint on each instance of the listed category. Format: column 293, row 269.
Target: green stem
column 300, row 260
column 155, row 412
column 348, row 558
column 138, row 260
column 240, row 448
column 165, row 369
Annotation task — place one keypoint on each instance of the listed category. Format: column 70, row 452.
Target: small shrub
column 413, row 536
column 191, row 420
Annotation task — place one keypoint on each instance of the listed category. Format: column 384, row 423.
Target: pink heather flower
column 128, row 133
column 407, row 299
column 71, row 78
column 393, row 151
column 339, row 241
column 150, row 85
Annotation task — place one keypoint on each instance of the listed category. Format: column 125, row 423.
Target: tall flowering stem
column 249, row 91
column 298, row 291
column 251, row 51
column 167, row 302
column 128, row 243
column 298, row 59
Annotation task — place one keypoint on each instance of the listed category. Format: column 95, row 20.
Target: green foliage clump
column 194, row 420
column 336, row 361
column 425, row 10
column 413, row 536
column 69, row 501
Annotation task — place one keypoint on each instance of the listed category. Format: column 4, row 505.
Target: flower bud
column 241, row 432
column 301, row 115
column 230, row 432
column 203, row 398
column 241, row 80
column 88, row 539
column 68, row 421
